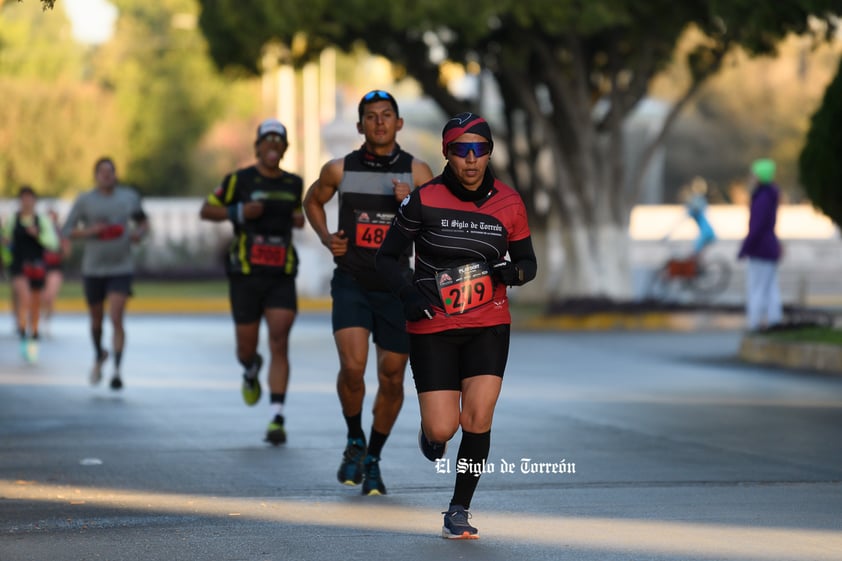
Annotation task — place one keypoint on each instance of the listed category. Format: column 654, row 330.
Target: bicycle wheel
column 713, row 276
column 660, row 285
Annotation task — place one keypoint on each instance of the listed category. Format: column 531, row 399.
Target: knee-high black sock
column 473, row 449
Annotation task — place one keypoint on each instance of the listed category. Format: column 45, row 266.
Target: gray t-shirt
column 110, row 253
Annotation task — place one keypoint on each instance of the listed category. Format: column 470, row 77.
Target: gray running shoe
column 96, row 371
column 456, row 525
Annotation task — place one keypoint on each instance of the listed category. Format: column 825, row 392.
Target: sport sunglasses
column 461, row 149
column 375, row 95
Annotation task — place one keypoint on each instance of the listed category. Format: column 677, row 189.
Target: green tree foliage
column 820, row 166
column 569, row 72
column 721, row 130
column 165, row 86
column 148, row 97
column 51, row 123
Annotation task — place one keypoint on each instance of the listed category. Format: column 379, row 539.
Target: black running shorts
column 97, row 288
column 379, row 312
column 251, row 295
column 440, row 361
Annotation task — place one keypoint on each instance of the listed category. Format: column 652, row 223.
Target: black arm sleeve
column 387, row 260
column 523, row 255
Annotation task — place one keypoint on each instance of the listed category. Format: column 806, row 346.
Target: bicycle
column 698, row 275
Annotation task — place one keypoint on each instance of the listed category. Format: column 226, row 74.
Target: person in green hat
column 762, row 248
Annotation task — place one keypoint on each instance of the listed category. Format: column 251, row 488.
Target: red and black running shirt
column 455, row 240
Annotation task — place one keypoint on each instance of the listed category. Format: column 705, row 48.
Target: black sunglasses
column 374, row 95
column 461, row 149
column 272, row 138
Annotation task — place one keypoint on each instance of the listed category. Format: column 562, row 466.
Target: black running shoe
column 351, row 469
column 116, row 382
column 372, row 482
column 431, row 450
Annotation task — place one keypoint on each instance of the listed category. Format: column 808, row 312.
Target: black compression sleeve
column 388, row 258
column 523, row 255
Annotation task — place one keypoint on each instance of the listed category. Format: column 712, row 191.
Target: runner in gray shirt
column 108, row 219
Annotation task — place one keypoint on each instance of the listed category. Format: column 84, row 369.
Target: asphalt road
column 679, row 451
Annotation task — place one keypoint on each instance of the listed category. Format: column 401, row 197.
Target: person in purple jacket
column 763, row 250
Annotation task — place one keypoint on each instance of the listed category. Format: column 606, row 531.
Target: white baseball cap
column 271, row 126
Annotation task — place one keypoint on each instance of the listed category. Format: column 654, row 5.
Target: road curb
column 817, row 357
column 640, row 321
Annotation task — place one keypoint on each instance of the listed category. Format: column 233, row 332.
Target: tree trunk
column 595, row 263
column 578, row 261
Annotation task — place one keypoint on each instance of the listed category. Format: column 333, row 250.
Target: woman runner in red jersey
column 463, row 224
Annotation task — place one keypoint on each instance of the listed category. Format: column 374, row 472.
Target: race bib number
column 268, row 251
column 371, row 228
column 465, row 288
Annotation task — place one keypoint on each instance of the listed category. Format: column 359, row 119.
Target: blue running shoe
column 351, row 469
column 372, row 482
column 456, row 525
column 431, row 450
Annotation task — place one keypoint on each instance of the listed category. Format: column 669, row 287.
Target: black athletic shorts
column 440, row 361
column 251, row 295
column 35, row 273
column 379, row 312
column 97, row 288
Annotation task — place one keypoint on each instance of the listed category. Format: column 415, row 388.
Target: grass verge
column 820, row 335
column 142, row 288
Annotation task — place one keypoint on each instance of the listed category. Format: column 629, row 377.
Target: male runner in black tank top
column 371, row 183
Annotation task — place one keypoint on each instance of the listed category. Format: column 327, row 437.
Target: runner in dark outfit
column 371, row 183
column 263, row 203
column 463, row 223
column 28, row 236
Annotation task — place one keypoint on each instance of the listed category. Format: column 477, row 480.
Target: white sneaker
column 96, row 371
column 32, row 351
